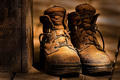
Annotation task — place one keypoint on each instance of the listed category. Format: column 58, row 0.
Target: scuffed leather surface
column 83, row 33
column 92, row 56
column 56, row 43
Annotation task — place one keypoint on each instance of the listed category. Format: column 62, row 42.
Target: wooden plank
column 15, row 35
column 10, row 24
column 27, row 38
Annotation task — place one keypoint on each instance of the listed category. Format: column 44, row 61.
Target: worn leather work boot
column 60, row 57
column 82, row 25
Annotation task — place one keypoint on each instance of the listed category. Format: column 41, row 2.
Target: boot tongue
column 86, row 12
column 57, row 20
column 56, row 14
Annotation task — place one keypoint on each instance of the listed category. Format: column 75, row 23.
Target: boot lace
column 92, row 42
column 93, row 29
column 61, row 44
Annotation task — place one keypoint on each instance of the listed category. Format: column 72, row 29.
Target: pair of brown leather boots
column 61, row 57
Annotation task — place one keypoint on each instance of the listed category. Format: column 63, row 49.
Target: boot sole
column 101, row 70
column 63, row 70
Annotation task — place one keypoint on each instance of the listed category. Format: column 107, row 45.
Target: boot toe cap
column 64, row 56
column 96, row 59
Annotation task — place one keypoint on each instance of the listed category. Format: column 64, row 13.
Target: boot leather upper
column 56, row 42
column 82, row 25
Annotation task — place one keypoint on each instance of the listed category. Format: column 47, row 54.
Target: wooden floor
column 108, row 23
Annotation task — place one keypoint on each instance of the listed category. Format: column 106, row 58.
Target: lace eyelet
column 83, row 38
column 85, row 43
column 53, row 41
column 81, row 31
column 90, row 40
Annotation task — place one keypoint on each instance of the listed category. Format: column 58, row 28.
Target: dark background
column 108, row 23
